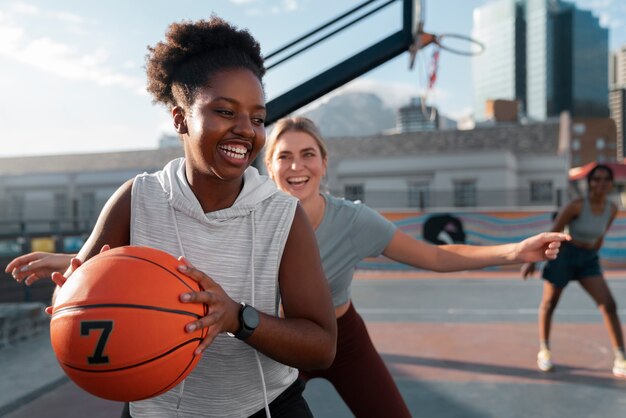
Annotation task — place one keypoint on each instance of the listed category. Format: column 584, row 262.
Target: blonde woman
column 347, row 232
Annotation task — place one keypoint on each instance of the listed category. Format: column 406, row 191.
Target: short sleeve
column 371, row 232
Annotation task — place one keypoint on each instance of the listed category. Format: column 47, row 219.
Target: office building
column 563, row 67
column 500, row 71
column 417, row 117
column 617, row 97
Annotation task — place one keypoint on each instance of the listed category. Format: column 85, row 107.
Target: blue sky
column 72, row 77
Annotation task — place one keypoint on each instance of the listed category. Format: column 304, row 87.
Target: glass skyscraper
column 559, row 54
column 499, row 72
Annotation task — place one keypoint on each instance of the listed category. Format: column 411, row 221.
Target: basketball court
column 458, row 345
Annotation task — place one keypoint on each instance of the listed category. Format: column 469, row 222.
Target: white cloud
column 464, row 113
column 10, row 36
column 61, row 59
column 68, row 17
column 608, row 20
column 265, row 7
column 290, row 5
column 24, row 8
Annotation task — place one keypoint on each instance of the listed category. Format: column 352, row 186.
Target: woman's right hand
column 75, row 263
column 60, row 279
column 528, row 269
column 37, row 265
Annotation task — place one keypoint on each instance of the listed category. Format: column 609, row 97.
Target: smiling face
column 297, row 165
column 223, row 130
column 600, row 182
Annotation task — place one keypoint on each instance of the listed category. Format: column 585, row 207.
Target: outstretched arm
column 446, row 258
column 31, row 267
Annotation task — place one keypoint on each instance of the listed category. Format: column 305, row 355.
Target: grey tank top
column 588, row 227
column 227, row 380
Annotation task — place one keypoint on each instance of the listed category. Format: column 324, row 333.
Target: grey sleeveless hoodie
column 240, row 248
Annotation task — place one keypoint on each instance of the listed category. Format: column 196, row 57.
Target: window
column 600, row 143
column 354, row 192
column 541, row 191
column 418, row 195
column 60, row 206
column 575, row 144
column 465, row 193
column 16, row 206
column 578, row 128
column 87, row 206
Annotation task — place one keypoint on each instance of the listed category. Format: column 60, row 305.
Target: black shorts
column 572, row 263
column 289, row 404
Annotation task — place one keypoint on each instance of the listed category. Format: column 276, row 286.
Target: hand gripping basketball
column 223, row 312
column 118, row 324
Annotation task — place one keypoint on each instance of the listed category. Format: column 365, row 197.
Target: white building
column 504, row 167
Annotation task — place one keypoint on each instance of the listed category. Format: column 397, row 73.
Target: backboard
column 418, row 17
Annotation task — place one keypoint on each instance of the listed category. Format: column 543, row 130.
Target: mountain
column 352, row 114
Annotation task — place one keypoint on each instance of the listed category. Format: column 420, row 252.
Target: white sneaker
column 619, row 368
column 544, row 361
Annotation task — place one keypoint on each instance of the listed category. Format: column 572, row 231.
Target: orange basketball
column 118, row 326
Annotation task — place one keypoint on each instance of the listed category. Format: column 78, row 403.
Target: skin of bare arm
column 446, row 258
column 31, row 267
column 306, row 337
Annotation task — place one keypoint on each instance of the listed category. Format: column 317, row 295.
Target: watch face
column 250, row 317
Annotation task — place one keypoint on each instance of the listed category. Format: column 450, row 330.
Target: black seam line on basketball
column 80, row 369
column 167, row 387
column 160, row 266
column 125, row 305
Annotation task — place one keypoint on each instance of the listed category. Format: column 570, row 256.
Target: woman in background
column 347, row 232
column 588, row 220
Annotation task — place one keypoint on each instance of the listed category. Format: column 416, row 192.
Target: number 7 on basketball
column 106, row 327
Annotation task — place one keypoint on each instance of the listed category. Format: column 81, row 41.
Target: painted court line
column 457, row 311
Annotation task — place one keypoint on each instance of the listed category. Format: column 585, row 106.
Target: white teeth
column 235, row 155
column 234, row 151
column 297, row 179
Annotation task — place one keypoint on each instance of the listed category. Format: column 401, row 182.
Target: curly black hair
column 192, row 52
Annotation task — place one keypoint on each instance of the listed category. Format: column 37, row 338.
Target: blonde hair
column 296, row 124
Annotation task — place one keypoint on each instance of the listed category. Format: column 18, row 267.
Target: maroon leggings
column 359, row 374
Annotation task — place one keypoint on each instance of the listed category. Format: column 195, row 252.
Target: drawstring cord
column 181, row 389
column 256, row 353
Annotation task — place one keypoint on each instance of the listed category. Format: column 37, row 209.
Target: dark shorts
column 289, row 404
column 572, row 263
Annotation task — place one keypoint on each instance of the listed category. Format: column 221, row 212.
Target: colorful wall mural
column 491, row 228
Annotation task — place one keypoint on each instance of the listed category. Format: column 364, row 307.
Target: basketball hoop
column 459, row 44
column 451, row 42
column 455, row 43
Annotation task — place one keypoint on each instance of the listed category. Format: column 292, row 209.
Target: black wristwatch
column 248, row 321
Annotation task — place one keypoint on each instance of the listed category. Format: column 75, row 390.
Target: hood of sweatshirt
column 256, row 189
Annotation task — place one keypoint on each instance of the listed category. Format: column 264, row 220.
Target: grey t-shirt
column 348, row 233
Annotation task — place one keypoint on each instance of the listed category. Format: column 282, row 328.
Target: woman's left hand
column 223, row 312
column 544, row 246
